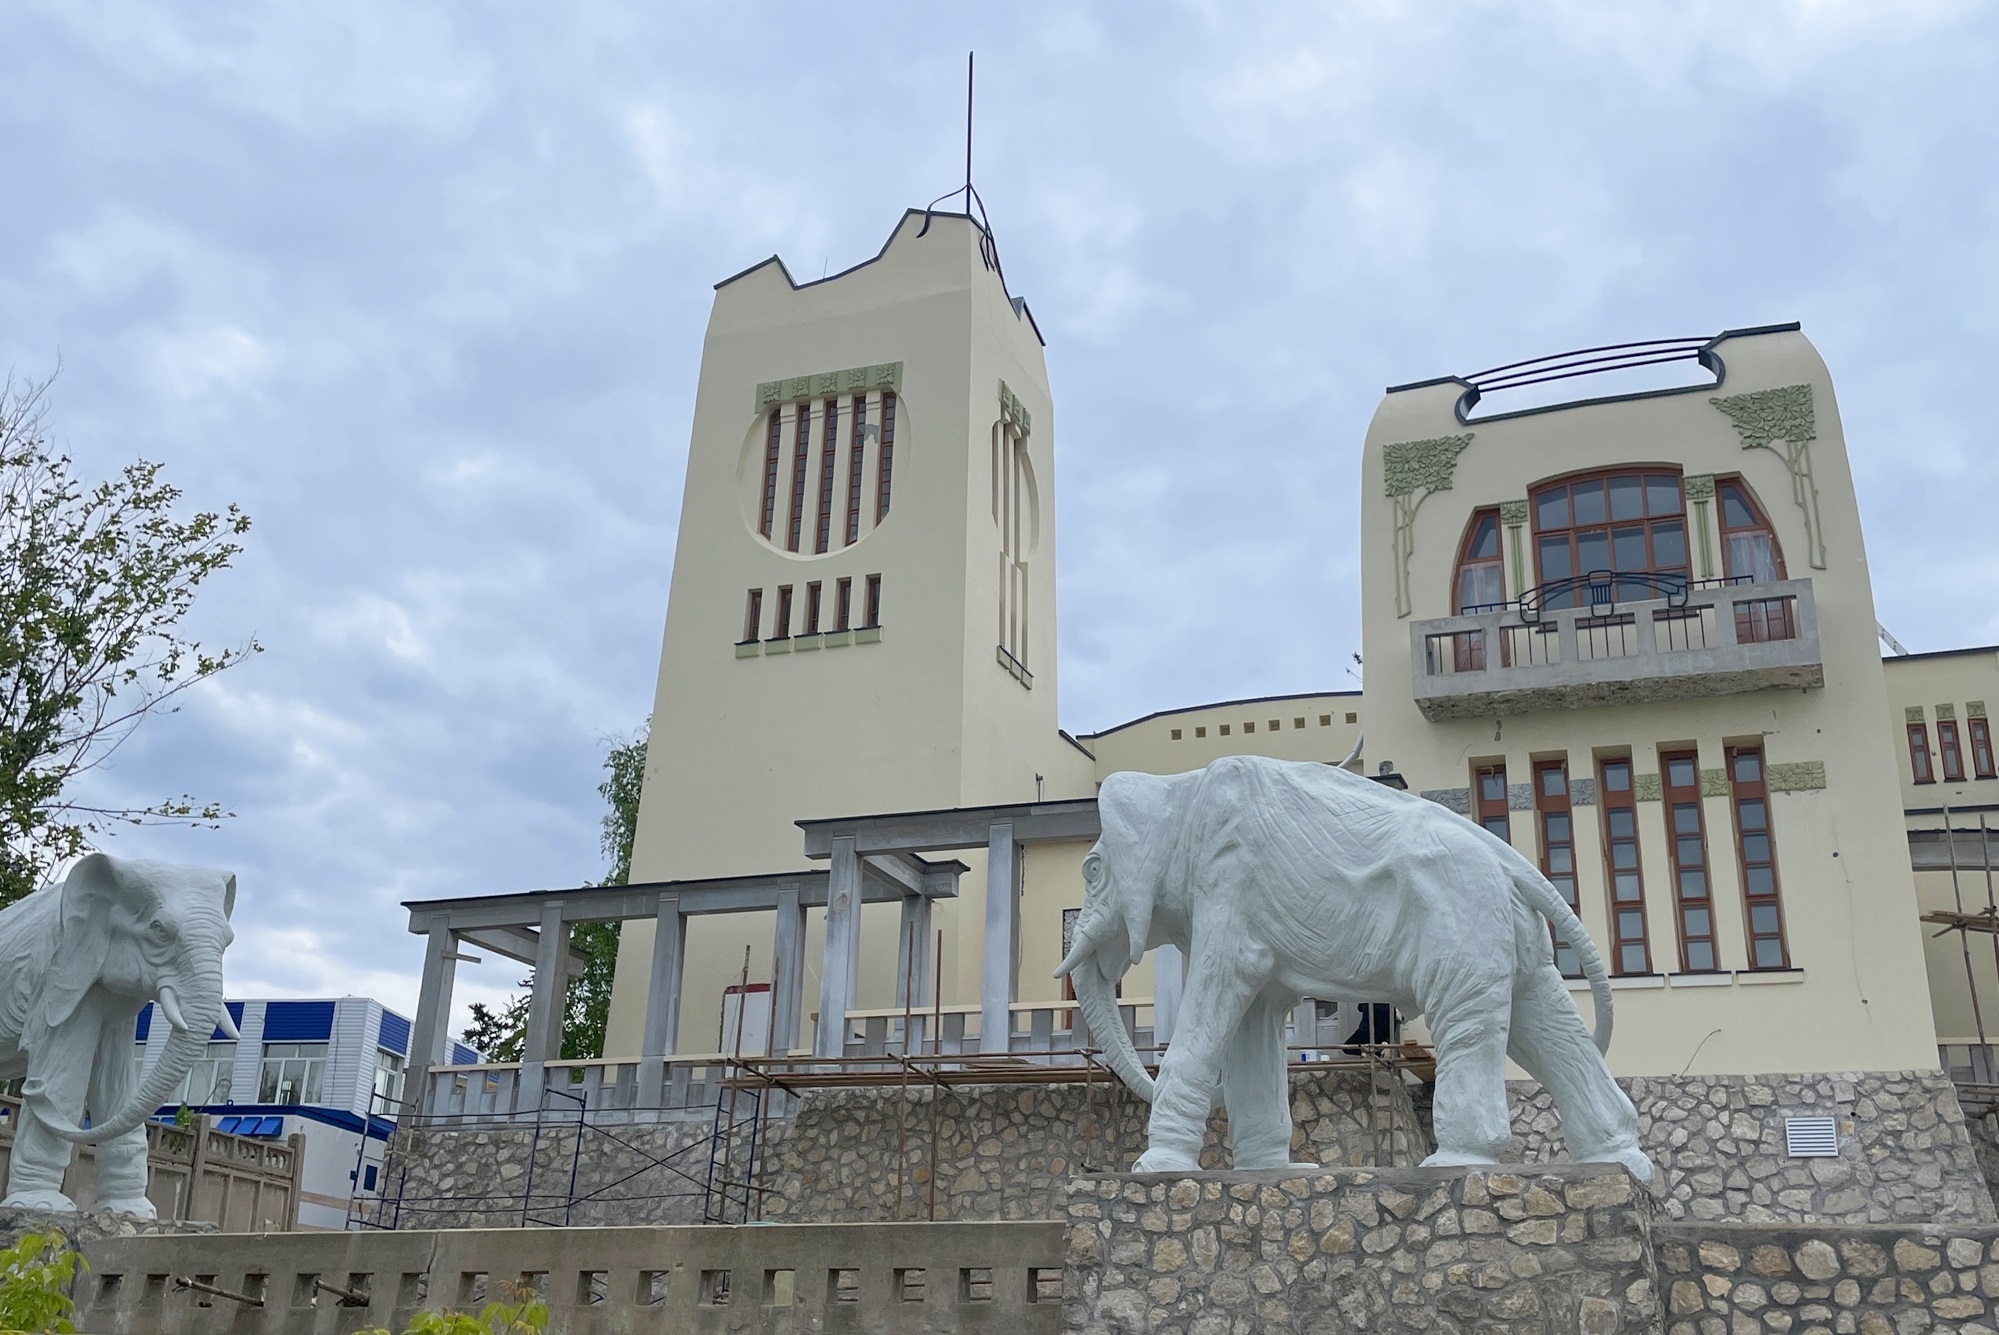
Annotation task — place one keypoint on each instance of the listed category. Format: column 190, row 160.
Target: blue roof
column 395, row 1035
column 298, row 1021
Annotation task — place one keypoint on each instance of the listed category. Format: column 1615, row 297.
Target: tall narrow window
column 774, row 446
column 1759, row 858
column 1693, row 896
column 1632, row 952
column 885, row 469
column 1748, row 547
column 781, row 627
column 1489, row 799
column 856, row 455
column 1948, row 751
column 1627, row 522
column 753, row 615
column 843, row 604
column 812, row 608
column 1981, row 747
column 801, row 454
column 829, row 438
column 1919, row 753
column 874, row 601
column 1481, row 576
column 1558, row 849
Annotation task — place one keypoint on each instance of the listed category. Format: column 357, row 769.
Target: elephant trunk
column 1098, row 1001
column 183, row 1047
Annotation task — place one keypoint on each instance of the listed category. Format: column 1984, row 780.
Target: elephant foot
column 132, row 1205
column 1458, row 1159
column 1166, row 1161
column 1637, row 1163
column 39, row 1200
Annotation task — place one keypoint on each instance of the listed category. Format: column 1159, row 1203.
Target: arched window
column 1627, row 520
column 1748, row 548
column 1481, row 580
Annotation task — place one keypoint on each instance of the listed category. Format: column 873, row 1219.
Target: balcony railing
column 1587, row 641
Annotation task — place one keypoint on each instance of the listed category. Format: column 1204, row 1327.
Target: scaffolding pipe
column 1964, row 938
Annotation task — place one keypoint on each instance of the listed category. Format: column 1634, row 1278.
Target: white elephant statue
column 1281, row 880
column 80, row 960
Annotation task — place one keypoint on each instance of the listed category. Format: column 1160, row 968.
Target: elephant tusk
column 227, row 1026
column 170, row 1007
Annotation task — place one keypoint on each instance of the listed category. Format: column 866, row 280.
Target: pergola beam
column 518, row 944
column 953, row 828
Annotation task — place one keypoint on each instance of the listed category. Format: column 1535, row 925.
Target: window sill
column 782, row 646
column 749, row 649
column 839, row 639
column 1621, row 982
column 806, row 643
column 1717, row 979
column 868, row 635
column 1765, row 977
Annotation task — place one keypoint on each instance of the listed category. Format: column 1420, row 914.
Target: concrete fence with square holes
column 931, row 1279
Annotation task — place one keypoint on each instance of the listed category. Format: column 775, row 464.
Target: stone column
column 1169, row 979
column 788, row 966
column 996, row 978
column 430, row 1036
column 547, row 1002
column 662, row 1019
column 838, row 973
column 913, row 965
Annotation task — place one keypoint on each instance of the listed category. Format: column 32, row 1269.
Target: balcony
column 1715, row 637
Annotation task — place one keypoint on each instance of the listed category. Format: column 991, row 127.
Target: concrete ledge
column 749, row 649
column 868, row 635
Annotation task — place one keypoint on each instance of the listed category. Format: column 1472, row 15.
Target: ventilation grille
column 1811, row 1138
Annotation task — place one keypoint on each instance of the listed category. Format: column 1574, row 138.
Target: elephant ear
column 229, row 894
column 83, row 935
column 1126, row 881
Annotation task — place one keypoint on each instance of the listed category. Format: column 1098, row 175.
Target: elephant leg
column 121, row 1161
column 57, row 1078
column 1469, row 1028
column 1551, row 1044
column 1257, row 1088
column 1217, row 996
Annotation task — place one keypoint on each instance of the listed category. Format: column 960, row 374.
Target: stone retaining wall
column 479, row 1177
column 1905, row 1151
column 1828, row 1281
column 1561, row 1249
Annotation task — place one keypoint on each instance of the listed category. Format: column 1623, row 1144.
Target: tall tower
column 862, row 610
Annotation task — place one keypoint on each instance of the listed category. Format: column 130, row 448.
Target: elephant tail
column 1549, row 904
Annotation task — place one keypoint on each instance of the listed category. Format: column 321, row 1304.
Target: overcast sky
column 422, row 287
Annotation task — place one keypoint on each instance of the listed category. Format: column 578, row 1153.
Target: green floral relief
column 1699, row 486
column 1714, row 783
column 1414, row 470
column 1795, row 776
column 1699, row 489
column 1974, row 709
column 1513, row 513
column 1781, row 421
column 1645, row 787
column 1912, row 714
column 854, row 380
column 1014, row 413
column 1946, row 711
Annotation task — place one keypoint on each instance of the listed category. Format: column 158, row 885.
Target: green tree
column 501, row 1032
column 95, row 579
column 36, row 1276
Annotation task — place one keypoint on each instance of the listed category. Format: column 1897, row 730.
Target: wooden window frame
column 1762, row 525
column 874, row 607
column 772, row 452
column 1980, row 737
column 1950, row 751
column 1478, row 520
column 843, row 604
column 1550, row 808
column 813, row 596
column 1623, row 800
column 1646, row 522
column 886, row 460
column 1743, row 789
column 856, row 457
column 753, row 616
column 1674, row 799
column 801, row 459
column 1488, row 810
column 1920, row 767
column 782, row 622
column 829, row 448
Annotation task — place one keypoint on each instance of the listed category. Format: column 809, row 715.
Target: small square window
column 1249, row 727
column 1200, row 732
column 1044, row 1284
column 107, row 1289
column 591, row 1287
column 1224, row 730
column 1277, row 725
column 1325, row 720
column 780, row 1288
column 843, row 1286
column 975, row 1284
column 1176, row 734
column 909, row 1286
column 652, row 1287
column 1297, row 722
column 714, row 1288
column 1353, row 718
column 415, row 1287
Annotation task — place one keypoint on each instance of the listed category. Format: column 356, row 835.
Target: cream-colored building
column 1703, row 747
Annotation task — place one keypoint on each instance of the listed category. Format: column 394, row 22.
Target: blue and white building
column 331, row 1070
